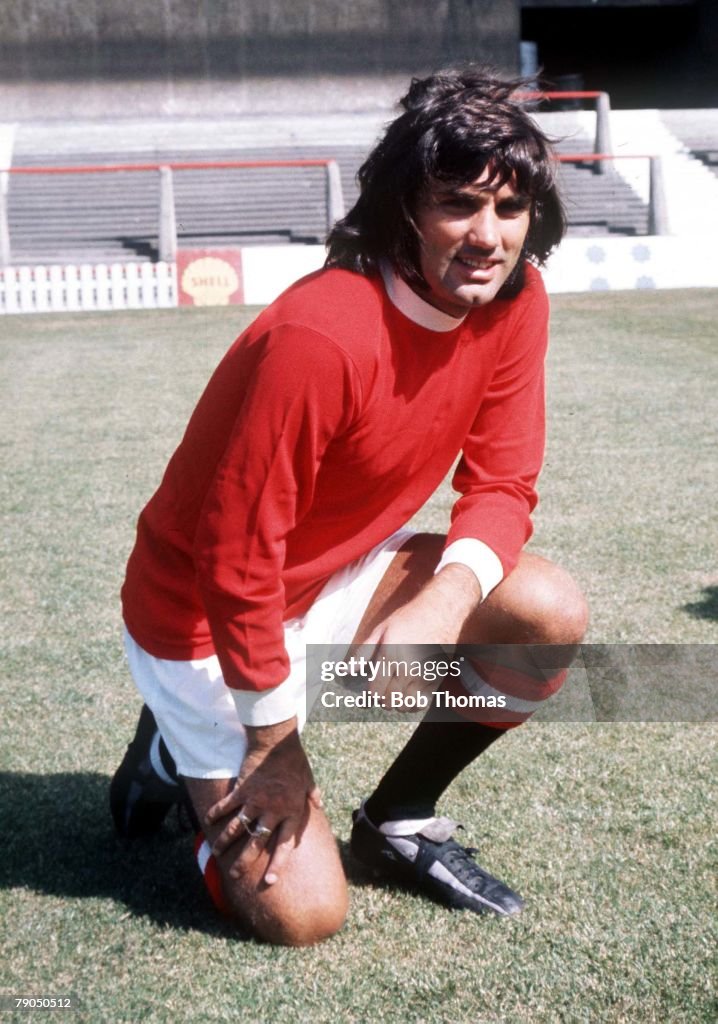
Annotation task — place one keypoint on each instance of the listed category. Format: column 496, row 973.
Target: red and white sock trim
column 522, row 691
column 207, row 864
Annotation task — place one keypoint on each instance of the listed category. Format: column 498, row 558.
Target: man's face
column 470, row 238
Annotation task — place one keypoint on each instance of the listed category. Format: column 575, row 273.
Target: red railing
column 175, row 165
column 167, row 220
column 549, row 95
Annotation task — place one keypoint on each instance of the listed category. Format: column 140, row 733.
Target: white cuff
column 477, row 556
column 267, row 707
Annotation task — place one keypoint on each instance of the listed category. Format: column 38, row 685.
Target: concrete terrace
column 101, row 218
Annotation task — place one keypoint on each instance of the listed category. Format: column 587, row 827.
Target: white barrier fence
column 87, row 287
column 579, row 265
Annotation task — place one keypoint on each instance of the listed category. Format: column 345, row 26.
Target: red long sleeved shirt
column 327, row 425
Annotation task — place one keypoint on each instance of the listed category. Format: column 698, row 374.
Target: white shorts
column 193, row 707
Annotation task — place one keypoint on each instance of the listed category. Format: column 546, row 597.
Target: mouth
column 477, row 263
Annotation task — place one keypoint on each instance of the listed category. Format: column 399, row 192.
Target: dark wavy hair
column 456, row 124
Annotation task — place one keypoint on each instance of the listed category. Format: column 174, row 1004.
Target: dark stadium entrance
column 645, row 53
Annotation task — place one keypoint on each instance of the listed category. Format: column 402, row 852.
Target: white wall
column 579, row 265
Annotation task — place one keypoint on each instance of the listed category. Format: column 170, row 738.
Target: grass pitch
column 609, row 830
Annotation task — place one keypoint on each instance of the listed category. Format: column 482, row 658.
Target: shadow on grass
column 707, row 607
column 59, row 840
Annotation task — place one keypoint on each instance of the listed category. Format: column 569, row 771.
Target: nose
column 484, row 229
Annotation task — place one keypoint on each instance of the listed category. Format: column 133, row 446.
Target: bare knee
column 288, row 924
column 310, row 900
column 307, row 904
column 539, row 602
column 322, row 923
column 289, row 915
column 557, row 608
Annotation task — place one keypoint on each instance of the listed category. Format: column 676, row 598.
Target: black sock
column 435, row 754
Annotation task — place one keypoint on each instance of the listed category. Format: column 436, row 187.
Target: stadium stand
column 698, row 131
column 115, row 217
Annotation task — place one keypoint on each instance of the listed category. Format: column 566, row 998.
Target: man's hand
column 269, row 801
column 435, row 616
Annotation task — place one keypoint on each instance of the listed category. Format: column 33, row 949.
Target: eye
column 514, row 206
column 456, row 203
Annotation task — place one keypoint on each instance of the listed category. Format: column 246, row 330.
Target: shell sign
column 210, row 277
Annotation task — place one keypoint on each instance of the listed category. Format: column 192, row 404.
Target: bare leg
column 308, row 903
column 530, row 623
column 538, row 603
